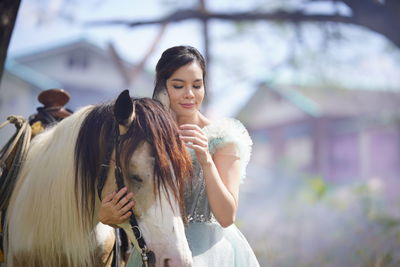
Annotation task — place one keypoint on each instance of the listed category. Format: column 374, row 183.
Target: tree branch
column 376, row 17
column 180, row 15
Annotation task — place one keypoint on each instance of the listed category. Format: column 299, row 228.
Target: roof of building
column 64, row 46
column 272, row 104
column 28, row 75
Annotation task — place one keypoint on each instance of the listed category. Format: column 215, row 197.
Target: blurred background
column 316, row 83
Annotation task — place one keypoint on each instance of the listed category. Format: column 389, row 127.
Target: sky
column 45, row 23
column 239, row 61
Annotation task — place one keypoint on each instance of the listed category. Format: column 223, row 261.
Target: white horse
column 52, row 219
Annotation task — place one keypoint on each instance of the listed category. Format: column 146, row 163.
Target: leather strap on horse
column 11, row 157
column 132, row 219
column 105, row 166
column 140, row 243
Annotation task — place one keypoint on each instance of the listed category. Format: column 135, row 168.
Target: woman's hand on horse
column 115, row 208
column 195, row 138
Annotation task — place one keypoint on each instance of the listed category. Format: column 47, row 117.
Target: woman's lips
column 188, row 106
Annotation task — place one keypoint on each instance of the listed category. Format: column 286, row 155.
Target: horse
column 51, row 218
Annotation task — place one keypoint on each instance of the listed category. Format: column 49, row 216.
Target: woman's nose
column 189, row 93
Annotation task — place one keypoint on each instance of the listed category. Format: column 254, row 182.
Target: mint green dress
column 210, row 243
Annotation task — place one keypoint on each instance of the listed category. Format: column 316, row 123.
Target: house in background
column 88, row 72
column 342, row 135
column 19, row 88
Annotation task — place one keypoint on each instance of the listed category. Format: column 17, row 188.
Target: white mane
column 49, row 169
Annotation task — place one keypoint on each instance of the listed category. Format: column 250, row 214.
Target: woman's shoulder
column 225, row 131
column 224, row 127
column 228, row 131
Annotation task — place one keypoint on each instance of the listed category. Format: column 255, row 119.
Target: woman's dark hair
column 172, row 59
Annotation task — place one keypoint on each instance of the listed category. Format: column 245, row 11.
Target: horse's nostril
column 166, row 264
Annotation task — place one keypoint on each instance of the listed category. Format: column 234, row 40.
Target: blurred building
column 90, row 74
column 342, row 135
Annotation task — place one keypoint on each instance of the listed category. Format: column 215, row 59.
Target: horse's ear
column 123, row 111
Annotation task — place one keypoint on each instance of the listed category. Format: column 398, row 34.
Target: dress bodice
column 219, row 133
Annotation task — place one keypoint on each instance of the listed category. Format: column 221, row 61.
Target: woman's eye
column 177, row 86
column 197, row 86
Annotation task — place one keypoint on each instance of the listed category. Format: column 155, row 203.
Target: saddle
column 11, row 157
column 52, row 111
column 14, row 152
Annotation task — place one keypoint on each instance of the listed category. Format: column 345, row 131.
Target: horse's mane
column 58, row 178
column 44, row 211
column 151, row 124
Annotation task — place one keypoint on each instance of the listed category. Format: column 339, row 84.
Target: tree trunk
column 8, row 16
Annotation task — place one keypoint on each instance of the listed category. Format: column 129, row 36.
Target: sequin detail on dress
column 210, row 243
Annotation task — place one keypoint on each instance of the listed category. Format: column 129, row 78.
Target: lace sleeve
column 230, row 131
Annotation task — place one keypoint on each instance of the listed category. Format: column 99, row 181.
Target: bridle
column 139, row 244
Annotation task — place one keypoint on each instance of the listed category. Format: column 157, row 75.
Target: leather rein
column 104, row 168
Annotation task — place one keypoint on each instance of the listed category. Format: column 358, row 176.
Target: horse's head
column 154, row 164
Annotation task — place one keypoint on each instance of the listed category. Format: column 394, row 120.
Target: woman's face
column 186, row 89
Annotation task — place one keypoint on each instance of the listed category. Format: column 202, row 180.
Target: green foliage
column 242, row 27
column 315, row 188
column 387, row 222
column 327, row 224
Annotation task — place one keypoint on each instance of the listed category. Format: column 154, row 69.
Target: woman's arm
column 221, row 173
column 222, row 177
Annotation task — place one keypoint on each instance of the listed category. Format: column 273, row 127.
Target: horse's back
column 44, row 226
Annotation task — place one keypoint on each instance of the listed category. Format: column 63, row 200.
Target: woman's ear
column 124, row 111
column 162, row 96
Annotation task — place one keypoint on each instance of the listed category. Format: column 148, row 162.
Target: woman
column 220, row 152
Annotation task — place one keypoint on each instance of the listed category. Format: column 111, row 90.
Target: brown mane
column 153, row 125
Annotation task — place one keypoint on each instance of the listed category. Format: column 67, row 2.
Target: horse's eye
column 136, row 178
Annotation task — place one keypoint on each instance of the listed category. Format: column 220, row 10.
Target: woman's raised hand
column 195, row 138
column 115, row 208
